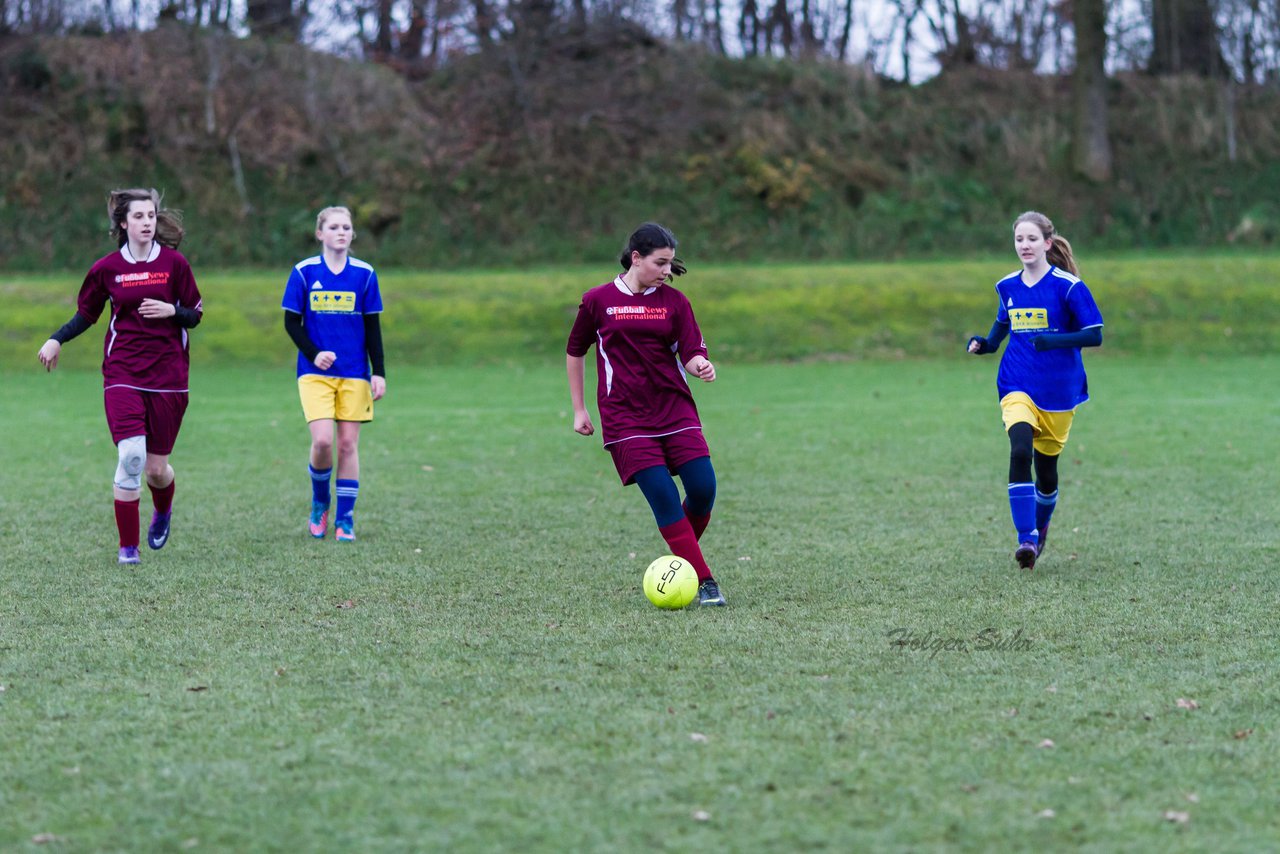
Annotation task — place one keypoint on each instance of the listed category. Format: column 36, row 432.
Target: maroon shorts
column 156, row 415
column 672, row 451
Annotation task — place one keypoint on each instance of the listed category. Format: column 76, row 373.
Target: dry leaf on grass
column 1176, row 816
column 698, row 737
column 1184, row 703
column 1048, row 742
column 1243, row 733
column 1046, row 813
column 350, row 603
column 701, row 815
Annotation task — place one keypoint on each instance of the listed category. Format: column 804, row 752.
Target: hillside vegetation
column 502, row 160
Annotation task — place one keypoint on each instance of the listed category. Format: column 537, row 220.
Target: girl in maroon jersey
column 154, row 301
column 646, row 339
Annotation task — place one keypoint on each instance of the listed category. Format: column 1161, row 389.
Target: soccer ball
column 670, row 582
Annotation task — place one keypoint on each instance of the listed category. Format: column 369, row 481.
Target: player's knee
column 699, row 480
column 156, row 468
column 348, row 445
column 1046, row 473
column 1020, row 455
column 132, row 460
column 701, row 496
column 322, row 444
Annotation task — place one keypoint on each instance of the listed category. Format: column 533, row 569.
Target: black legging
column 1022, row 455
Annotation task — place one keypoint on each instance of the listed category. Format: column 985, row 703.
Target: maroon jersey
column 150, row 355
column 643, row 342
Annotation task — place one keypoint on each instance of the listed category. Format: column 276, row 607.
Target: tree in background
column 1184, row 38
column 1091, row 149
column 903, row 39
column 275, row 18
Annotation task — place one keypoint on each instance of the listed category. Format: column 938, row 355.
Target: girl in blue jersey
column 1048, row 314
column 331, row 310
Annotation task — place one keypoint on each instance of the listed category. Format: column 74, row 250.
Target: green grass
column 499, row 681
column 1203, row 304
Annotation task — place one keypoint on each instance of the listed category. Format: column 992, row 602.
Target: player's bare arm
column 575, row 366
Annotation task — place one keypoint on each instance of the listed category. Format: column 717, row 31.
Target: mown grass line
column 1210, row 305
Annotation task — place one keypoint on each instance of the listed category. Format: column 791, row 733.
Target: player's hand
column 701, row 368
column 49, row 354
column 582, row 423
column 379, row 386
column 325, row 359
column 154, row 309
column 977, row 345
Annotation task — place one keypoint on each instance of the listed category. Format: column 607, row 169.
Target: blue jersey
column 1059, row 302
column 333, row 306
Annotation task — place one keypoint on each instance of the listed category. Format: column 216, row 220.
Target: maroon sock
column 684, row 543
column 162, row 496
column 127, row 522
column 699, row 523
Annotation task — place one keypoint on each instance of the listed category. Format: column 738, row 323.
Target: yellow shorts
column 335, row 398
column 1051, row 428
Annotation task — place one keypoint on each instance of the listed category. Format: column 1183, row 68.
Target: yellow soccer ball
column 670, row 582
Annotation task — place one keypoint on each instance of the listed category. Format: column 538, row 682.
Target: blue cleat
column 158, row 533
column 709, row 593
column 129, row 554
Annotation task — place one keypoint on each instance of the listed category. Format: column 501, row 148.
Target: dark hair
column 1059, row 254
column 646, row 240
column 169, row 230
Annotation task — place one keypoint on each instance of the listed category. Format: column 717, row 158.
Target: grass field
column 481, row 670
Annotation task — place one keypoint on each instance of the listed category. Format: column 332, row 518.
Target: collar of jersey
column 1039, row 280
column 622, row 286
column 128, row 256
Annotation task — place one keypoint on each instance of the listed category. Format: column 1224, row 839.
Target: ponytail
column 1060, row 255
column 169, row 230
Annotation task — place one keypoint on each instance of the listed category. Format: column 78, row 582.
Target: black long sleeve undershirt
column 372, row 339
column 187, row 318
column 1091, row 337
column 373, row 343
column 73, row 327
column 293, row 325
column 992, row 342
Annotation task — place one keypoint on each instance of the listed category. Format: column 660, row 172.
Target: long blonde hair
column 169, row 230
column 1059, row 254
